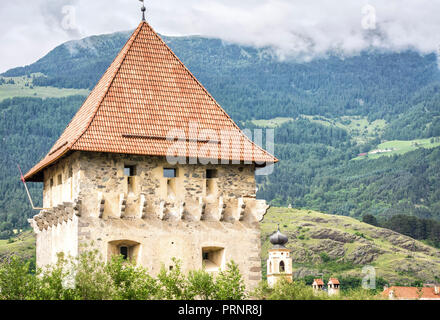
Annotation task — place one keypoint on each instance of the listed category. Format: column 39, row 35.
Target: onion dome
column 278, row 239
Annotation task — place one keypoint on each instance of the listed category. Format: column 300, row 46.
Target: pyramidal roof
column 144, row 94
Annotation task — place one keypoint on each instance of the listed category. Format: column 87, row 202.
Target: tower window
column 169, row 173
column 213, row 258
column 128, row 249
column 129, row 171
column 282, row 267
column 211, row 174
column 211, row 184
column 124, row 252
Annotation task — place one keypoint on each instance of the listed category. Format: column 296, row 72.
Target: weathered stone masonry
column 155, row 226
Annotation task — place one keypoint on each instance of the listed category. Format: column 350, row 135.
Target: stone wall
column 140, row 214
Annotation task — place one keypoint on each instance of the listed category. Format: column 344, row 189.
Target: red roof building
column 145, row 94
column 412, row 293
column 318, row 282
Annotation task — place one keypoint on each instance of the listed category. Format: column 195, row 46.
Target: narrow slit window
column 211, row 184
column 130, row 173
column 60, row 179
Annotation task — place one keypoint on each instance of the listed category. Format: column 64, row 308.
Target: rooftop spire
column 278, row 239
column 143, row 9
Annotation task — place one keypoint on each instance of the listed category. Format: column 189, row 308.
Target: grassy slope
column 401, row 147
column 22, row 88
column 351, row 245
column 358, row 127
column 23, row 245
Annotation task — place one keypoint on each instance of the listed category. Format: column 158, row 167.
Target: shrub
column 325, row 257
column 229, row 284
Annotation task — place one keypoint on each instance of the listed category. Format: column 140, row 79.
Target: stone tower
column 279, row 264
column 151, row 167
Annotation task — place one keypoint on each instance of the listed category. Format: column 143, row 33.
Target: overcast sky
column 295, row 28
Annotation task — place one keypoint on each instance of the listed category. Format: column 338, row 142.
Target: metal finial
column 143, row 9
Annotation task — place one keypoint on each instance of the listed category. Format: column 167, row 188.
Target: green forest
column 317, row 168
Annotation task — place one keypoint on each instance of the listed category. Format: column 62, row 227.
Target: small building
column 318, row 285
column 333, row 286
column 412, row 293
column 279, row 263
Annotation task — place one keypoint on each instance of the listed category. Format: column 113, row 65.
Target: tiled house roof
column 144, row 94
column 318, row 282
column 333, row 281
column 411, row 293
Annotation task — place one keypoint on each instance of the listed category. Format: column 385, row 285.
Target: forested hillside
column 333, row 109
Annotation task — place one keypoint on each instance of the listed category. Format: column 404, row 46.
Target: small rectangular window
column 124, row 252
column 51, row 182
column 211, row 184
column 169, row 173
column 60, row 179
column 211, row 174
column 129, row 171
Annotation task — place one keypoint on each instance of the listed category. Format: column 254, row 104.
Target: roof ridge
column 128, row 44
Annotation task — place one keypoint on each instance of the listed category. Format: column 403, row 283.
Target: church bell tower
column 279, row 264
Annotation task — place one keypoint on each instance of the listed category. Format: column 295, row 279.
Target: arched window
column 282, row 268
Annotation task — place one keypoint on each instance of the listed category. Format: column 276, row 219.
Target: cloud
column 294, row 28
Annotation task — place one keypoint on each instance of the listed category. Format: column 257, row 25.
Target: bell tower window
column 282, row 267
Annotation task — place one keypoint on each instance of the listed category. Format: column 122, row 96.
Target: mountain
column 338, row 246
column 325, row 113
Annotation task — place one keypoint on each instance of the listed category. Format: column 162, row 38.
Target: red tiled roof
column 411, row 293
column 145, row 93
column 318, row 282
column 333, row 281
